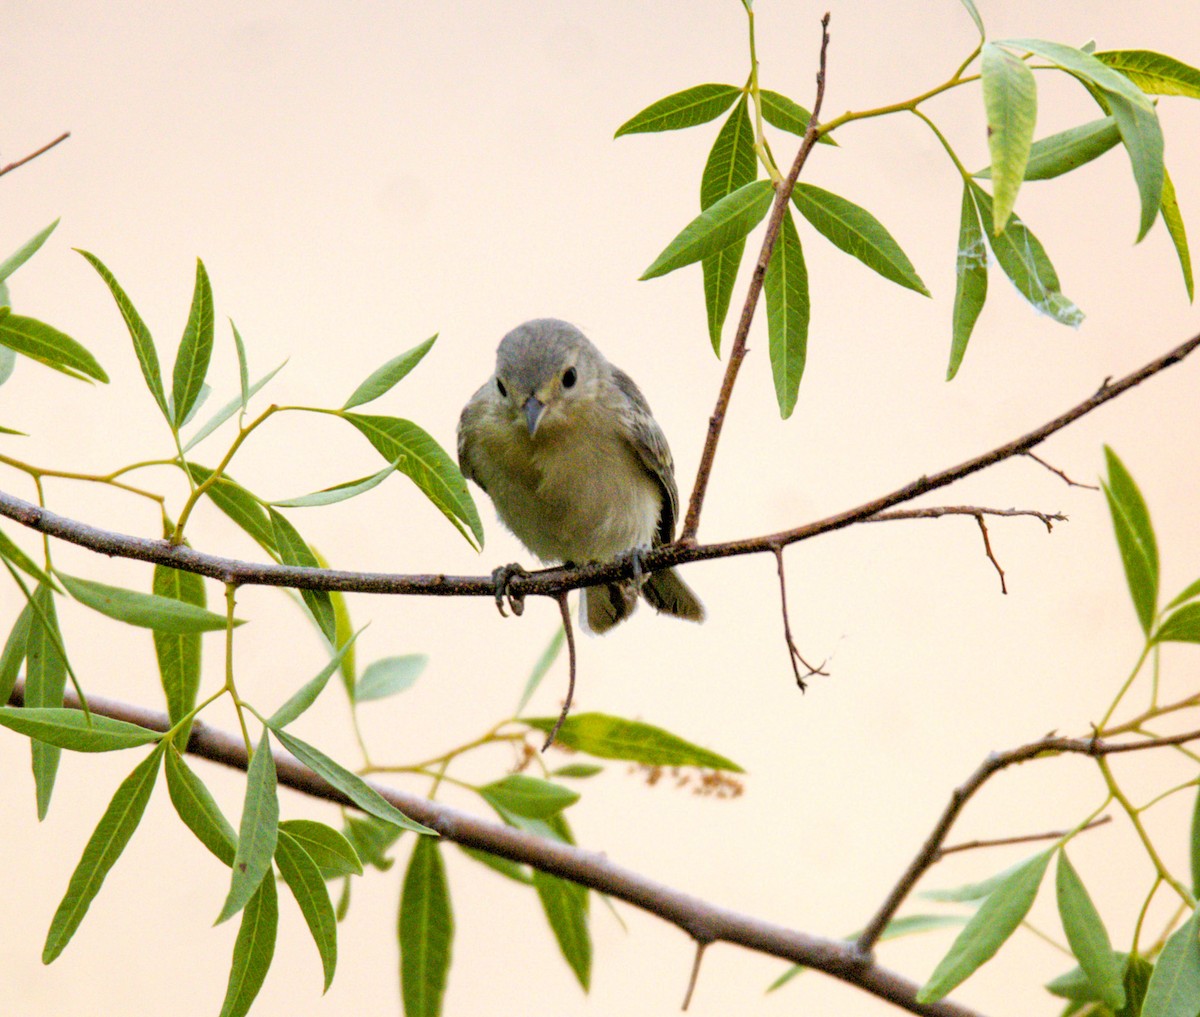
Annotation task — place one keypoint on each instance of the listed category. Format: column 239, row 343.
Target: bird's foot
column 633, row 557
column 501, row 577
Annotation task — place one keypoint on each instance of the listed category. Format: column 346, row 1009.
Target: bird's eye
column 503, row 391
column 569, row 377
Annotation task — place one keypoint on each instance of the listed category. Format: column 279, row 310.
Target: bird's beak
column 533, row 408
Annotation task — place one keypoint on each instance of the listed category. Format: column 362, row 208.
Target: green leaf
column 1173, row 219
column 692, row 106
column 715, row 228
column 1077, row 987
column 504, row 866
column 352, row 786
column 26, row 251
column 371, row 839
column 1194, row 845
column 198, row 809
column 566, row 908
column 253, row 949
column 857, row 232
column 47, row 345
column 240, row 505
column 731, row 164
column 11, row 552
column 1154, row 73
column 382, row 379
column 541, row 668
column 389, row 676
column 1183, row 626
column 1024, row 260
column 971, row 10
column 145, row 610
column 1192, row 590
column 1135, row 538
column 14, row 653
column 303, row 877
column 258, row 832
column 970, row 288
column 608, row 737
column 143, row 342
column 1067, row 150
column 331, row 851
column 522, row 795
column 8, row 358
column 339, row 492
column 578, row 771
column 1174, row 989
column 72, row 729
column 293, row 550
column 424, row 461
column 1138, row 972
column 786, row 285
column 307, row 694
column 780, row 111
column 103, row 848
column 425, row 930
column 1087, row 935
column 1010, row 100
column 244, row 392
column 228, row 410
column 195, row 349
column 45, row 679
column 178, row 653
column 997, row 918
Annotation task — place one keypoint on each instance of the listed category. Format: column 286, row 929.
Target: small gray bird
column 566, row 447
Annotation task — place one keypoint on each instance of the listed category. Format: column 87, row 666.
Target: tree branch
column 33, row 155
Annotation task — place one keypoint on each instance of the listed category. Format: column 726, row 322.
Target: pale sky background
column 359, row 176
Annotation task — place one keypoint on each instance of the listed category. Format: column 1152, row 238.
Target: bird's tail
column 602, row 607
column 668, row 594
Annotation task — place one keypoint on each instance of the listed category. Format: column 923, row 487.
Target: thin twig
column 33, row 155
column 1028, row 838
column 565, row 611
column 691, row 986
column 1058, row 472
column 987, row 549
column 1048, row 519
column 737, row 353
column 793, row 651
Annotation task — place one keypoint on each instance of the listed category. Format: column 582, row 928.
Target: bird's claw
column 501, row 577
column 634, row 558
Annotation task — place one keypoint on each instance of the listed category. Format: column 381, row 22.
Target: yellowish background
column 359, row 176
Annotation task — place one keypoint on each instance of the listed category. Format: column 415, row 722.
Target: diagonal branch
column 33, row 155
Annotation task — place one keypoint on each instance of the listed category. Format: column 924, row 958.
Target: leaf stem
column 230, row 686
column 760, row 143
column 1124, row 688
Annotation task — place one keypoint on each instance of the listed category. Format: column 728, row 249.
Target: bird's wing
column 648, row 441
column 467, row 422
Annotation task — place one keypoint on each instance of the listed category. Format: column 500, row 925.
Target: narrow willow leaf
column 1173, row 219
column 1138, row 972
column 1190, row 592
column 45, row 679
column 1183, row 626
column 198, row 809
column 230, row 408
column 731, row 164
column 1087, row 935
column 344, row 629
column 786, row 286
column 201, row 399
column 566, row 908
column 14, row 653
column 522, row 795
column 425, row 930
column 1021, row 255
column 714, row 229
column 970, row 892
column 608, row 737
column 253, row 950
column 240, row 505
column 1010, row 101
column 971, row 279
column 1154, row 73
column 303, row 878
column 334, row 855
column 1077, row 987
column 244, row 392
column 372, row 839
column 383, row 378
column 857, row 232
column 145, row 610
column 307, row 694
column 195, row 349
column 1135, row 538
column 1194, row 846
column 1067, row 150
column 513, row 870
column 104, row 847
column 47, row 345
column 971, row 10
column 72, row 729
column 389, row 676
column 692, row 106
column 997, row 918
column 8, row 359
column 343, row 904
column 339, row 492
column 780, row 111
column 293, row 550
column 258, row 832
column 1174, row 989
column 143, row 342
column 577, row 771
column 178, row 653
column 11, row 552
column 26, row 251
column 352, row 786
column 541, row 669
column 425, row 462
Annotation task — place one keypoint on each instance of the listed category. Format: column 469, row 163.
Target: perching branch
column 33, row 155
